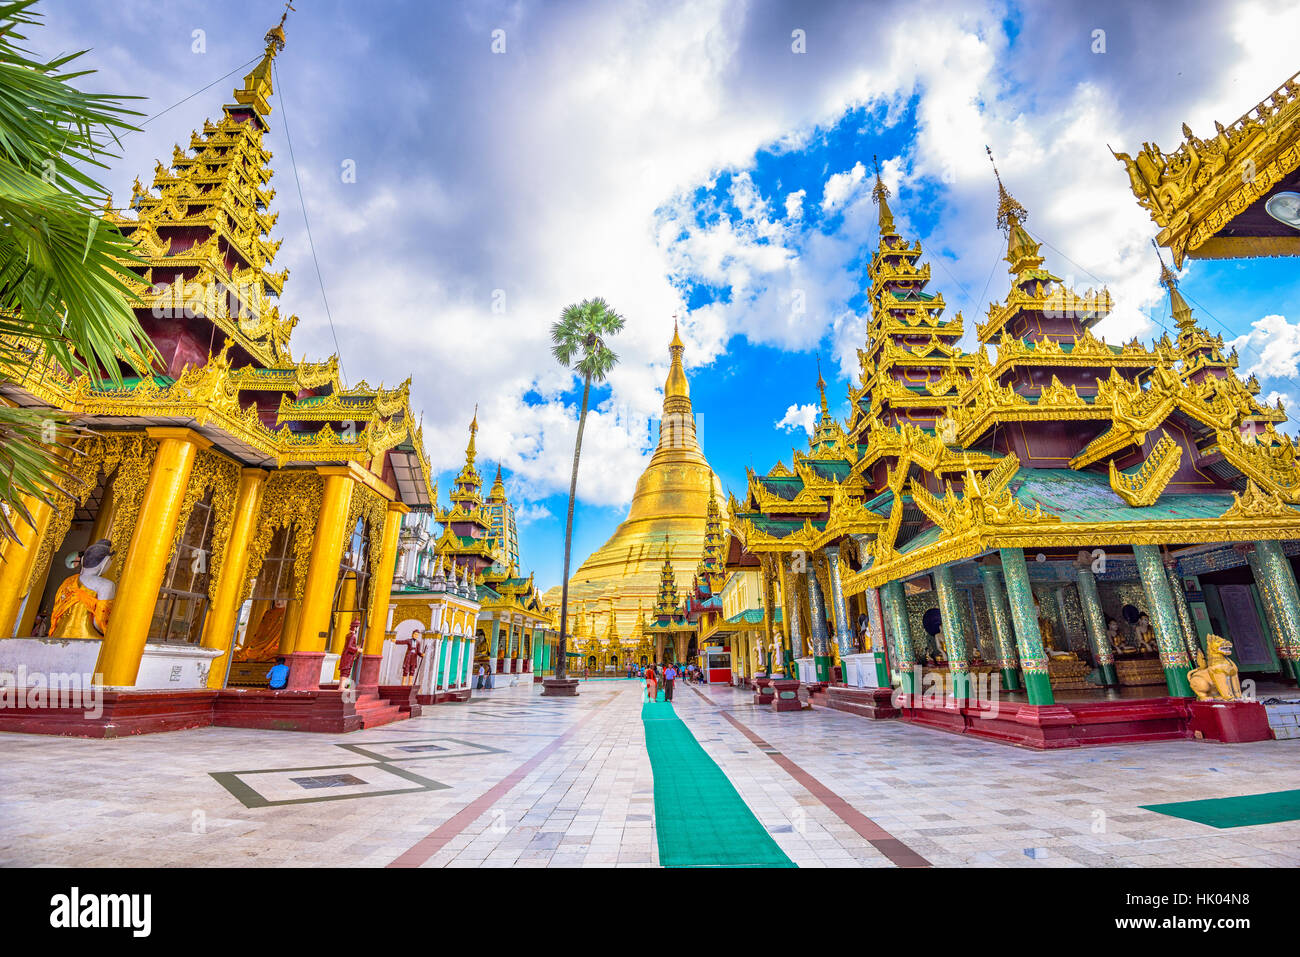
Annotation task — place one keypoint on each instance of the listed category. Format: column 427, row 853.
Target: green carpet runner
column 699, row 818
column 1236, row 811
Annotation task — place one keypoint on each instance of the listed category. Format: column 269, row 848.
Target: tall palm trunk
column 562, row 661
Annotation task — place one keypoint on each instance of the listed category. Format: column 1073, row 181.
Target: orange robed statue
column 83, row 601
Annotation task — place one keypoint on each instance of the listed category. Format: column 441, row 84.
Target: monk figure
column 83, row 601
column 351, row 648
column 414, row 652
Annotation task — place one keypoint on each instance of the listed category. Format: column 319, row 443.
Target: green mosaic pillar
column 844, row 634
column 492, row 644
column 820, row 638
column 1029, row 640
column 1184, row 611
column 954, row 633
column 1095, row 621
column 1000, row 618
column 895, row 608
column 444, row 656
column 1173, row 652
column 466, row 660
column 796, row 639
column 1270, row 564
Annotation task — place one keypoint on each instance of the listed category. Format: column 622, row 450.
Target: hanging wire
column 279, row 85
column 145, row 122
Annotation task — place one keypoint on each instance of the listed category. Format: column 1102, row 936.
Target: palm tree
column 580, row 343
column 63, row 268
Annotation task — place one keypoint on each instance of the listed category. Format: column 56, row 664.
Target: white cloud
column 798, row 417
column 1271, row 349
column 841, row 186
column 528, row 514
column 794, row 204
column 465, row 185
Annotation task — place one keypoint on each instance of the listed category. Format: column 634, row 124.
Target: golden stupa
column 667, row 517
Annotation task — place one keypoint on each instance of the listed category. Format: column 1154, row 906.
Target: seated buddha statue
column 84, row 600
column 1048, row 631
column 1145, row 634
column 264, row 644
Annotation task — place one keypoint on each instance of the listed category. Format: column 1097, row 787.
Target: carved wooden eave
column 1198, row 194
column 1143, row 486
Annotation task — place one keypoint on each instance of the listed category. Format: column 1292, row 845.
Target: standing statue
column 864, row 633
column 83, row 601
column 414, row 652
column 351, row 648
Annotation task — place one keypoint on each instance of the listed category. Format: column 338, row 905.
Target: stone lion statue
column 1216, row 680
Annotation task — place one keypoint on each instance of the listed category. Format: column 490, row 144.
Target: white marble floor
column 511, row 779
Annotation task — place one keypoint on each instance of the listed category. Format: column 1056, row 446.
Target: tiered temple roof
column 1046, row 433
column 206, row 296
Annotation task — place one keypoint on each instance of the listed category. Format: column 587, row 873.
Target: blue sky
column 685, row 158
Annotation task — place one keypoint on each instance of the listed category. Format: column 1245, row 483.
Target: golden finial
column 1178, row 305
column 880, row 196
column 470, row 450
column 1010, row 212
column 275, row 35
column 821, row 385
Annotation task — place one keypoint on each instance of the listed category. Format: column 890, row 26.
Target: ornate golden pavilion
column 669, row 514
column 233, row 473
column 1055, row 512
column 514, row 632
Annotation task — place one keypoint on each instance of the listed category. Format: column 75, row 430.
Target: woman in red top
column 651, row 686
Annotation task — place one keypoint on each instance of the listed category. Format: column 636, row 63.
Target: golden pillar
column 327, row 552
column 289, row 628
column 381, row 590
column 219, row 629
column 148, row 554
column 19, row 557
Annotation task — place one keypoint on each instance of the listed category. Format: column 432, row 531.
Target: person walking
column 670, row 676
column 651, row 686
column 479, row 683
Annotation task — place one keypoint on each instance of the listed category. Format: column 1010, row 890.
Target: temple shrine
column 513, row 631
column 1051, row 541
column 235, row 506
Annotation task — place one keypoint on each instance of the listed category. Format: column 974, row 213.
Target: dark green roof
column 752, row 616
column 1088, row 497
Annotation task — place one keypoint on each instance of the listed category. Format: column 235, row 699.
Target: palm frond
column 65, row 271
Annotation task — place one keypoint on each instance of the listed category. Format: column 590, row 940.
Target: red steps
column 374, row 711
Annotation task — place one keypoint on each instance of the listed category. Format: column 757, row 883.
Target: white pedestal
column 807, row 670
column 860, row 669
column 175, row 666
column 25, row 657
column 327, row 666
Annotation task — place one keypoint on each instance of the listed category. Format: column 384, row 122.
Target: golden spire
column 470, row 450
column 821, row 387
column 1022, row 251
column 1181, row 310
column 256, row 91
column 677, row 391
column 880, row 195
column 498, row 493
